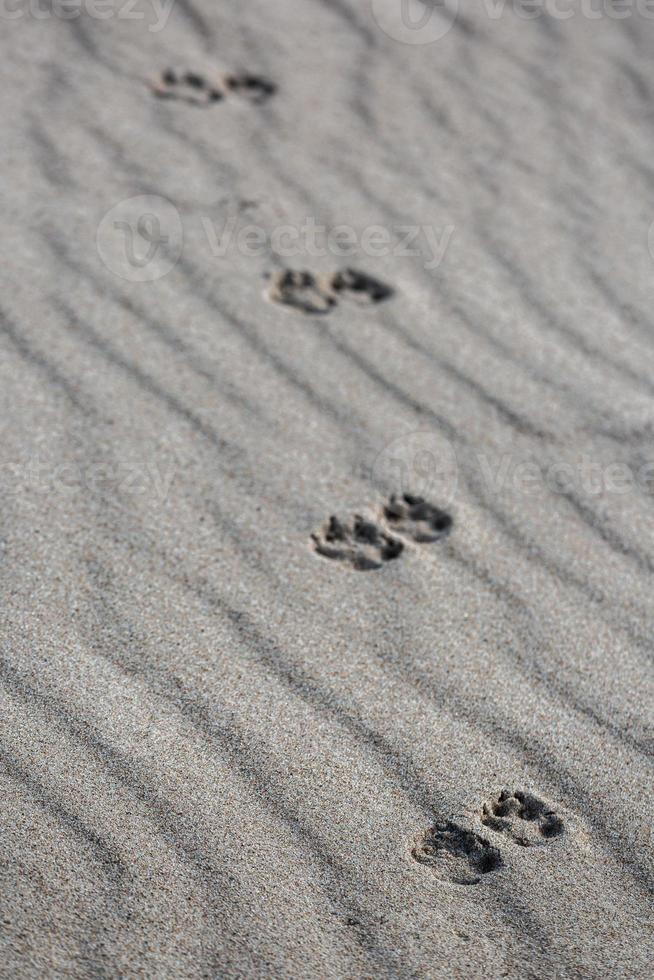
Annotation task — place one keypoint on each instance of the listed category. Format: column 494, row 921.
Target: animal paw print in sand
column 359, row 287
column 523, row 817
column 359, row 542
column 188, row 86
column 367, row 544
column 300, row 289
column 318, row 294
column 415, row 518
column 196, row 89
column 456, row 855
column 251, row 87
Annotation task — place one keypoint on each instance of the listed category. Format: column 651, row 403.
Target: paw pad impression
column 358, row 541
column 197, row 89
column 456, row 855
column 523, row 817
column 416, row 518
column 320, row 294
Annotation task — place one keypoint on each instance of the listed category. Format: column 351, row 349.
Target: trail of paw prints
column 456, row 855
column 368, row 543
column 523, row 817
column 197, row 89
column 312, row 294
column 358, row 542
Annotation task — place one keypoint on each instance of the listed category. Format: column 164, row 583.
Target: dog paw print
column 188, row 86
column 523, row 817
column 415, row 518
column 367, row 543
column 255, row 88
column 320, row 294
column 196, row 89
column 456, row 855
column 359, row 287
column 359, row 542
column 301, row 290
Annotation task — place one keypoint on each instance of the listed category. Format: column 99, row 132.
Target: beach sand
column 239, row 738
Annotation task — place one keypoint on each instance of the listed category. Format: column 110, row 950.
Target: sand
column 418, row 743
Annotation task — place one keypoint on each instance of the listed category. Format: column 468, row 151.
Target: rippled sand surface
column 326, row 515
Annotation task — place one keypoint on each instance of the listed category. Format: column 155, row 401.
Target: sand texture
column 326, row 569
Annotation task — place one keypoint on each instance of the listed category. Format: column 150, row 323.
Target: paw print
column 320, row 294
column 455, row 854
column 415, row 518
column 359, row 542
column 523, row 817
column 196, row 89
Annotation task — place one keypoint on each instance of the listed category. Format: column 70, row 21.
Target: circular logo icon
column 141, row 238
column 415, row 21
column 420, row 463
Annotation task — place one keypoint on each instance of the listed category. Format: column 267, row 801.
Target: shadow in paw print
column 357, row 286
column 358, row 542
column 187, row 86
column 455, row 854
column 415, row 518
column 523, row 817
